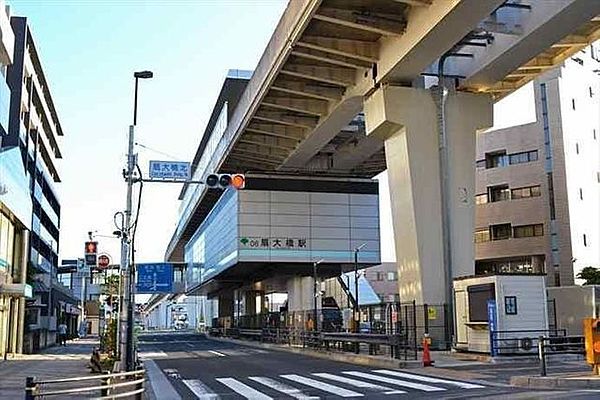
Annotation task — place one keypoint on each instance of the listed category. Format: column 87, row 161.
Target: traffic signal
column 223, row 181
column 90, row 253
column 91, row 247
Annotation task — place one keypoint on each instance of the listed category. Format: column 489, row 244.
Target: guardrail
column 558, row 345
column 110, row 386
column 395, row 342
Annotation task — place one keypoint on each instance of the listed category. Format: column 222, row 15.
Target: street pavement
column 54, row 362
column 196, row 367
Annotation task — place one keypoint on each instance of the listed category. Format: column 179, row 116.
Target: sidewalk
column 577, row 380
column 54, row 362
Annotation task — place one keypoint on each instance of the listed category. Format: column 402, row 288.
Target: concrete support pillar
column 250, row 302
column 300, row 294
column 407, row 120
column 226, row 304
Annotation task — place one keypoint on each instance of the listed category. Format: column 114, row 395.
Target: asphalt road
column 201, row 368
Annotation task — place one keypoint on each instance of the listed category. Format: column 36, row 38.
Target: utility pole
column 128, row 271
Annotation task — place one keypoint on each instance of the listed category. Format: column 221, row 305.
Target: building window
column 498, row 193
column 551, row 196
column 481, row 198
column 528, row 231
column 524, row 157
column 556, row 279
column 495, row 160
column 379, row 276
column 580, row 194
column 392, row 276
column 525, row 192
column 573, row 103
column 482, row 235
column 501, row 231
column 584, row 240
column 510, row 305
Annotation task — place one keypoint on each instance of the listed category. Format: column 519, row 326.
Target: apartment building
column 538, row 184
column 35, row 129
column 15, row 212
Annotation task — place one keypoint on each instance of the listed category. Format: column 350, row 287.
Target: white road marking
column 357, row 383
column 282, row 387
column 429, row 379
column 152, row 354
column 326, row 387
column 398, row 382
column 243, row 389
column 201, row 391
column 216, row 353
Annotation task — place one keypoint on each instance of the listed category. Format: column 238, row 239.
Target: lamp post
column 127, row 271
column 315, row 263
column 357, row 307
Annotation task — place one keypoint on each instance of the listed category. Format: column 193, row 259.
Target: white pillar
column 407, row 120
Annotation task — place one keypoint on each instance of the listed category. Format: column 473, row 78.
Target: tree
column 111, row 285
column 591, row 275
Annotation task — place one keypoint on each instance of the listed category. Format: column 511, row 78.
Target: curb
column 365, row 360
column 548, row 382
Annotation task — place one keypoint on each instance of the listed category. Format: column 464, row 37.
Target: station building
column 242, row 246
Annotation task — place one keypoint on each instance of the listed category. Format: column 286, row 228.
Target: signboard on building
column 273, row 243
column 154, row 278
column 170, row 170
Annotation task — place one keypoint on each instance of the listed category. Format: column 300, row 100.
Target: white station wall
column 282, row 226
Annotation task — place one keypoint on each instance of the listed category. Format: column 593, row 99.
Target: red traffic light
column 91, row 247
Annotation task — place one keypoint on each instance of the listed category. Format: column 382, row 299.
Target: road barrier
column 122, row 385
column 548, row 346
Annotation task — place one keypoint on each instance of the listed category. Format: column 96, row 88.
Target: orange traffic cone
column 427, row 361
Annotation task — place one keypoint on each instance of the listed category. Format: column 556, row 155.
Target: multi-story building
column 15, row 212
column 35, row 129
column 538, row 184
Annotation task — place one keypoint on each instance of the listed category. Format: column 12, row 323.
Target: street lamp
column 315, row 263
column 357, row 307
column 127, row 271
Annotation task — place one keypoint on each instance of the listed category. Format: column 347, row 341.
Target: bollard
column 542, row 356
column 427, row 361
column 30, row 388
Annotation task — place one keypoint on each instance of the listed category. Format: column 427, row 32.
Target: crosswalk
column 312, row 386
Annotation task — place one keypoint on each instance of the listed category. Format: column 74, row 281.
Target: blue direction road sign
column 154, row 278
column 170, row 170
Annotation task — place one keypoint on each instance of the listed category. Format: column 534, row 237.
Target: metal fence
column 406, row 322
column 520, row 342
column 547, row 346
column 122, row 385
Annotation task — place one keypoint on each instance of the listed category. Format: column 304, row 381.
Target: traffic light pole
column 125, row 319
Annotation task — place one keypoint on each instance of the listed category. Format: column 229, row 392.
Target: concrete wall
column 573, row 304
